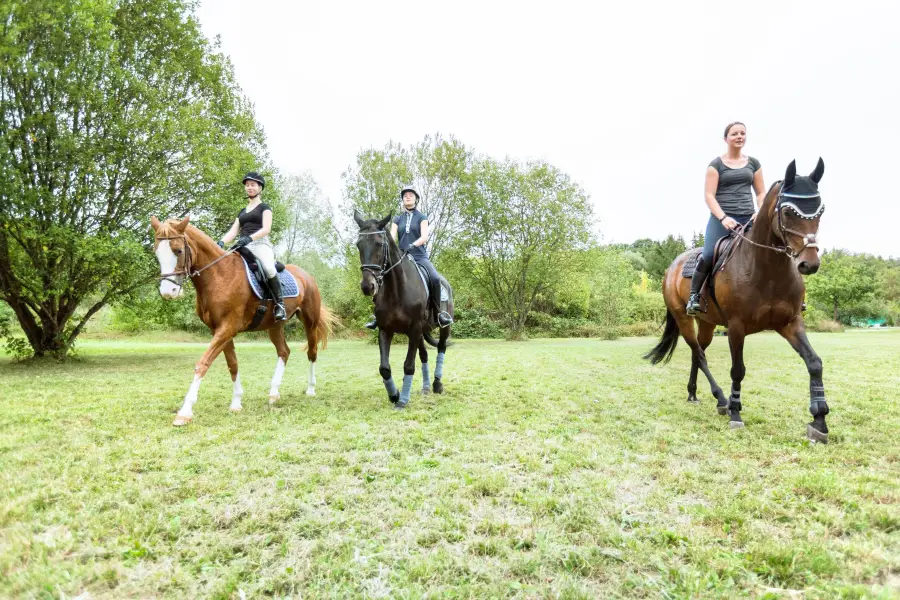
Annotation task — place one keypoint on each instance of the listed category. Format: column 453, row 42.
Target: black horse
column 401, row 306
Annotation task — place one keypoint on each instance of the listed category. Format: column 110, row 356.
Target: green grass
column 549, row 469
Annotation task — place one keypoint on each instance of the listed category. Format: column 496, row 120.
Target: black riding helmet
column 254, row 176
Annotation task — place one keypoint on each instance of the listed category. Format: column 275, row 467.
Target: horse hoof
column 180, row 421
column 816, row 436
column 274, row 399
column 437, row 387
column 736, row 424
column 426, row 391
column 693, row 400
column 399, row 406
column 236, row 409
column 311, row 392
column 722, row 410
column 395, row 398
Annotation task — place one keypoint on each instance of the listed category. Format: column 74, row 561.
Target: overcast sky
column 629, row 98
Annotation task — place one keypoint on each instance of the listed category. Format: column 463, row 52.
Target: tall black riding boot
column 275, row 287
column 700, row 273
column 441, row 317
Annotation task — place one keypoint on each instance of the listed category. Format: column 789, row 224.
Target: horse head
column 795, row 215
column 173, row 253
column 373, row 244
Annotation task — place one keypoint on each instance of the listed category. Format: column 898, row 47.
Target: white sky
column 628, row 97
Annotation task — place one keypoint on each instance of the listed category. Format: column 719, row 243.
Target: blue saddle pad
column 289, row 287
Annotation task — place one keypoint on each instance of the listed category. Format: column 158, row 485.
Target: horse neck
column 203, row 251
column 395, row 280
column 767, row 263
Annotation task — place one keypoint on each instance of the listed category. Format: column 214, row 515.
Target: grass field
column 549, row 469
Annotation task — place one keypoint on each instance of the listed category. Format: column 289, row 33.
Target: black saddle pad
column 690, row 265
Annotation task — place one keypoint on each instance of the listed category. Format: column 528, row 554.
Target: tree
column 438, row 167
column 659, row 255
column 520, row 222
column 842, row 280
column 309, row 226
column 110, row 111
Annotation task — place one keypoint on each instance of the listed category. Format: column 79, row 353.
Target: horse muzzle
column 170, row 291
column 808, row 267
column 368, row 286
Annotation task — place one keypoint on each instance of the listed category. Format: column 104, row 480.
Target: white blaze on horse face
column 168, row 262
column 311, row 389
column 276, row 379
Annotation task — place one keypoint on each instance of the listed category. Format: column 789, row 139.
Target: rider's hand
column 243, row 241
column 729, row 223
column 220, row 244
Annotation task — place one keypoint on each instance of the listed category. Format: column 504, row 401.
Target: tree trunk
column 44, row 336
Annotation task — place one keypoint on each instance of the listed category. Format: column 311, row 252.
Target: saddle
column 722, row 252
column 256, row 276
column 426, row 280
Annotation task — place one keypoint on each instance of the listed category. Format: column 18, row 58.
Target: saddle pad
column 690, row 265
column 289, row 288
column 423, row 274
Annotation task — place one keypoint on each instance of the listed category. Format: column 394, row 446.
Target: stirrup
column 278, row 312
column 373, row 324
column 444, row 319
column 693, row 304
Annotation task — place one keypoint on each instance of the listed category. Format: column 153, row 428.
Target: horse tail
column 664, row 350
column 433, row 342
column 325, row 325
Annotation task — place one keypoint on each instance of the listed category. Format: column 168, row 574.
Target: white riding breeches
column 262, row 250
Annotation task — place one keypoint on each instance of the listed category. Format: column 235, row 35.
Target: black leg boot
column 700, row 273
column 275, row 288
column 441, row 317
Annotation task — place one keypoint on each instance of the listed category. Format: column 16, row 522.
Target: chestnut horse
column 225, row 302
column 759, row 288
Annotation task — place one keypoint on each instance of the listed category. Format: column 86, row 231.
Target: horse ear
column 816, row 175
column 383, row 223
column 790, row 174
column 154, row 223
column 358, row 218
column 183, row 225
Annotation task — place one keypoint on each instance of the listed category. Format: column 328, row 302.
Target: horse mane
column 762, row 225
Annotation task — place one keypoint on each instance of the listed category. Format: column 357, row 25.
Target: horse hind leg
column 316, row 328
column 276, row 334
column 438, row 384
column 423, row 357
column 698, row 355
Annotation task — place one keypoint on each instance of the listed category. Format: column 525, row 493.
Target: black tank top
column 252, row 221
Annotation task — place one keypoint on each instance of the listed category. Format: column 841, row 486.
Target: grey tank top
column 735, row 185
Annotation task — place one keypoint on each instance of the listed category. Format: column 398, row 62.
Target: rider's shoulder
column 717, row 163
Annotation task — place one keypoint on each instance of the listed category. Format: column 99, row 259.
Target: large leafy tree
column 438, row 167
column 842, row 280
column 520, row 224
column 110, row 111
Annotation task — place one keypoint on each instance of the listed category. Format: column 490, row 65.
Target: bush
column 475, row 323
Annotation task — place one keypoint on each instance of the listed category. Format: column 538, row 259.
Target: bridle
column 781, row 205
column 379, row 271
column 188, row 262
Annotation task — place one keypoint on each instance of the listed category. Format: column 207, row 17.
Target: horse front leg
column 384, row 347
column 795, row 334
column 276, row 334
column 736, row 343
column 409, row 367
column 238, row 392
column 221, row 338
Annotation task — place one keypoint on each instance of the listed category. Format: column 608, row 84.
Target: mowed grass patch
column 549, row 468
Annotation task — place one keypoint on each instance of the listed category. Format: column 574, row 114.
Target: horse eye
column 178, row 252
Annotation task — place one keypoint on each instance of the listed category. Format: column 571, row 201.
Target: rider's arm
column 712, row 182
column 759, row 187
column 394, row 232
column 232, row 233
column 266, row 226
column 424, row 237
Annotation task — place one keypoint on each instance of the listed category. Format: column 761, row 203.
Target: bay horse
column 226, row 304
column 760, row 287
column 401, row 306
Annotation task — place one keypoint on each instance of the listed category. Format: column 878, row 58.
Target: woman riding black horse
column 413, row 230
column 728, row 181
